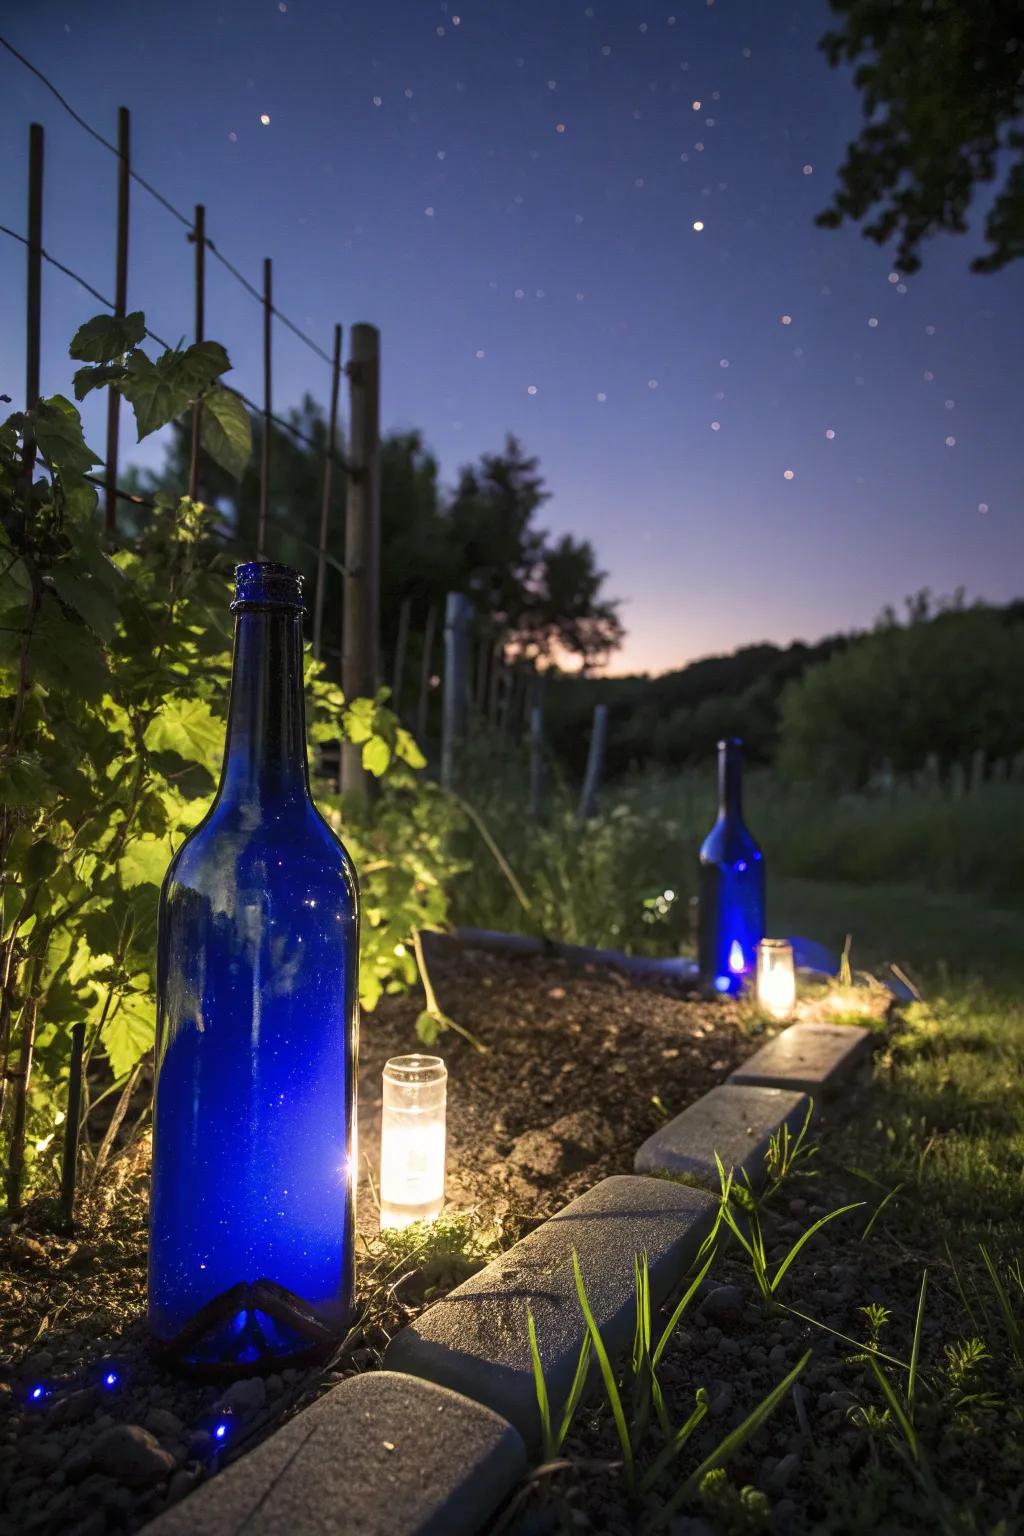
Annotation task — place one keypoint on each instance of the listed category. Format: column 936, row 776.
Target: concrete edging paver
column 475, row 1339
column 379, row 1455
column 735, row 1120
column 816, row 1059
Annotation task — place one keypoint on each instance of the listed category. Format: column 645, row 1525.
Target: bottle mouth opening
column 266, row 584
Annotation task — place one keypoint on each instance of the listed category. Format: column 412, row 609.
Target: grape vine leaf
column 62, row 654
column 130, row 1032
column 59, row 437
column 90, row 599
column 160, row 391
column 186, row 726
column 376, row 756
column 226, row 431
column 87, row 379
column 105, row 337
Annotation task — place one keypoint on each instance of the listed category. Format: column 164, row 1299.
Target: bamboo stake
column 401, row 645
column 362, row 539
column 424, row 698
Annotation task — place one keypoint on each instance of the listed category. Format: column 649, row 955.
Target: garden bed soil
column 580, row 1067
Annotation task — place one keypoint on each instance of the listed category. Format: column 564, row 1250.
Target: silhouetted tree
column 943, row 90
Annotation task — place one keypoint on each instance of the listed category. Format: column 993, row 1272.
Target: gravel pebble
column 131, row 1454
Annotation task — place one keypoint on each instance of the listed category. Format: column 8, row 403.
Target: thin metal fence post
column 595, row 763
column 428, row 656
column 398, row 668
column 325, row 500
column 199, row 237
column 362, row 539
column 453, row 716
column 34, row 277
column 537, row 755
column 120, row 309
column 268, row 312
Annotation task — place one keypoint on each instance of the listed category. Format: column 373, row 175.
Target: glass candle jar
column 776, row 978
column 412, row 1140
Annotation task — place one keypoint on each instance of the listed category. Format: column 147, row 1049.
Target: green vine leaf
column 226, row 430
column 130, row 1032
column 59, row 437
column 87, row 379
column 188, row 727
column 160, row 391
column 105, row 337
column 376, row 756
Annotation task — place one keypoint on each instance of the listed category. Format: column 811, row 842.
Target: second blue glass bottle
column 252, row 1225
column 731, row 897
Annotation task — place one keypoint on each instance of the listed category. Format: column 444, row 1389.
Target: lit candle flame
column 736, row 957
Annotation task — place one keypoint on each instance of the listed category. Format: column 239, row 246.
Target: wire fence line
column 279, row 421
column 164, row 202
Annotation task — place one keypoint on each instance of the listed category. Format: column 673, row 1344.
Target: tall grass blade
column 572, row 1402
column 915, row 1347
column 728, row 1447
column 879, row 1208
column 540, row 1388
column 1011, row 1321
column 683, row 1303
column 909, row 1433
column 805, row 1237
column 667, row 1456
column 611, row 1386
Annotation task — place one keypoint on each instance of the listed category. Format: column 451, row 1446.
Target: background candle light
column 776, row 978
column 412, row 1140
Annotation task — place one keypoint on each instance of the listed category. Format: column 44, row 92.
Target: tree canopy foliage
column 942, row 83
column 945, row 684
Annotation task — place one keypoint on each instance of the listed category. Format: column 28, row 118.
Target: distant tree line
column 545, row 596
column 945, row 682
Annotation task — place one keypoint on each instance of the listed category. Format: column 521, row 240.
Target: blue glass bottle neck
column 730, row 785
column 265, row 752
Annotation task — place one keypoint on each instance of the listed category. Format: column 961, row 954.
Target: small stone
column 37, row 1364
column 244, row 1397
column 777, row 1357
column 94, row 1524
column 724, row 1304
column 782, row 1472
column 784, row 1514
column 132, row 1455
column 44, row 1455
column 26, row 1250
column 77, row 1463
column 274, row 1385
column 182, row 1482
column 730, row 1347
column 720, row 1399
column 163, row 1423
column 200, row 1444
column 798, row 1209
column 74, row 1408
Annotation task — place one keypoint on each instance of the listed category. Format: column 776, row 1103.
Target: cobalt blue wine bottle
column 731, row 890
column 252, row 1222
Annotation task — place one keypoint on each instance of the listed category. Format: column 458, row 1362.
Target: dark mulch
column 562, row 1097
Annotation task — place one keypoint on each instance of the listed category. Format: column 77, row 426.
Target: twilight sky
column 589, row 224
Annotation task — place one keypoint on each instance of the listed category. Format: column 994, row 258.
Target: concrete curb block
column 379, row 1455
column 817, row 1059
column 475, row 1340
column 735, row 1121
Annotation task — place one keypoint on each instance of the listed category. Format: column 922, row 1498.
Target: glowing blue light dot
column 220, row 1431
column 722, row 983
column 37, row 1393
column 110, row 1379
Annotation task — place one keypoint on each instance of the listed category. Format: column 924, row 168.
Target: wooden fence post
column 456, row 683
column 423, row 703
column 120, row 310
column 268, row 314
column 325, row 498
column 362, row 539
column 199, row 237
column 595, row 763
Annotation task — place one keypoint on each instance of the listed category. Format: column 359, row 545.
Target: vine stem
column 435, row 1011
column 495, row 851
column 16, row 1153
